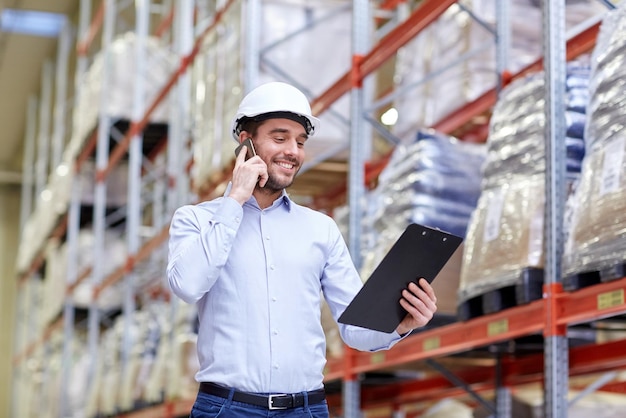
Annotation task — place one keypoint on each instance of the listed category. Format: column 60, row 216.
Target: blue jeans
column 211, row 406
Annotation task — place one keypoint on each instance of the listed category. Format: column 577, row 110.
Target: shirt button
column 274, row 299
column 237, row 219
column 275, row 332
column 267, row 238
column 276, row 366
column 272, row 267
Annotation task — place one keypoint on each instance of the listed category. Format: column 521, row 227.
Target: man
column 255, row 263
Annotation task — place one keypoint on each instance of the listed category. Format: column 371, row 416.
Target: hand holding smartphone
column 250, row 152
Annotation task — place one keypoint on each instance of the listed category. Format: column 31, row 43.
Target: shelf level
column 585, row 305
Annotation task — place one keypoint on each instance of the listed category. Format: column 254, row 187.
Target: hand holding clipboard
column 419, row 252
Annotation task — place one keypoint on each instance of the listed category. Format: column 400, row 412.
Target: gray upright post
column 556, row 347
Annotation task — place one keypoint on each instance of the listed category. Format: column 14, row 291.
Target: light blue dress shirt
column 256, row 276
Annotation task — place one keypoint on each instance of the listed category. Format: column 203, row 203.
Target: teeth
column 285, row 165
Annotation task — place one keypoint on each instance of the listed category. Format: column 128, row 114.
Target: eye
column 301, row 144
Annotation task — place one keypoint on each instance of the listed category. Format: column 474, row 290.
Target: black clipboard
column 419, row 252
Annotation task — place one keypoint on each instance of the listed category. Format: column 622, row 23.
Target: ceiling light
column 390, row 117
column 32, row 22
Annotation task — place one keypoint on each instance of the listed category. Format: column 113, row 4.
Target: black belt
column 275, row 401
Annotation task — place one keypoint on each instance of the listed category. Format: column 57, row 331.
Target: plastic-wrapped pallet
column 76, row 390
column 449, row 408
column 54, row 281
column 596, row 246
column 50, row 205
column 431, row 67
column 183, row 363
column 528, row 402
column 433, row 181
column 160, row 64
column 504, row 245
column 137, row 329
column 51, row 379
column 110, row 366
column 115, row 255
column 154, row 386
column 152, row 330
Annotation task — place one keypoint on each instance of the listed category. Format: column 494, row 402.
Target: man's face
column 280, row 143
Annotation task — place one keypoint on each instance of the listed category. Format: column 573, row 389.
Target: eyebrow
column 283, row 131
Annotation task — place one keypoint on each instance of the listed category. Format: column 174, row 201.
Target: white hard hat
column 276, row 100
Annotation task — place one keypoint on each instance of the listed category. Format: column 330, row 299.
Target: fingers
column 241, row 157
column 263, row 177
column 246, row 174
column 420, row 302
column 426, row 287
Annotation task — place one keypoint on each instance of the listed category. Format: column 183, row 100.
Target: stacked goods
column 433, row 181
column 118, row 100
column 453, row 61
column 54, row 203
column 528, row 402
column 110, row 298
column 160, row 363
column 294, row 31
column 596, row 245
column 448, row 408
column 504, row 246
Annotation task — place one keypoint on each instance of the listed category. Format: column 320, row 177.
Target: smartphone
column 248, row 144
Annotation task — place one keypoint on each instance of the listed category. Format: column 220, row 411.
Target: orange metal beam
column 594, row 302
column 390, row 4
column 461, row 336
column 144, row 252
column 593, row 358
column 83, row 45
column 165, row 23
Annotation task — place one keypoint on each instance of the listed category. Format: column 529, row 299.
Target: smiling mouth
column 288, row 166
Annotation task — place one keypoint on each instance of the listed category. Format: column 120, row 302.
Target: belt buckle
column 270, row 401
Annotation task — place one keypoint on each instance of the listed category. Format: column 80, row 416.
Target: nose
column 291, row 147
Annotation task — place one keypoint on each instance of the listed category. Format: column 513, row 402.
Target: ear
column 243, row 135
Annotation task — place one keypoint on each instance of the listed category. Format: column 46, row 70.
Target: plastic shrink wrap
column 433, row 180
column 528, row 402
column 597, row 240
column 452, row 62
column 448, row 408
column 54, row 201
column 296, row 30
column 160, row 363
column 505, row 235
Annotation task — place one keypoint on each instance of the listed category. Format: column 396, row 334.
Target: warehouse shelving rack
column 98, row 141
column 556, row 305
column 599, row 301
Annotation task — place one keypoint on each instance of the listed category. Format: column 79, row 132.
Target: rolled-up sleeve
column 200, row 240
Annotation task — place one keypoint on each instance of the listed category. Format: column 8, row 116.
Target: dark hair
column 249, row 125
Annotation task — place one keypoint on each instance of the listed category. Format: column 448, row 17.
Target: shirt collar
column 283, row 198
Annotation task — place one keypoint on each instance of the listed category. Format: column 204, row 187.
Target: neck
column 265, row 198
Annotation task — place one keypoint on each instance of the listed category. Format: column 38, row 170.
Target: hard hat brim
column 314, row 122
